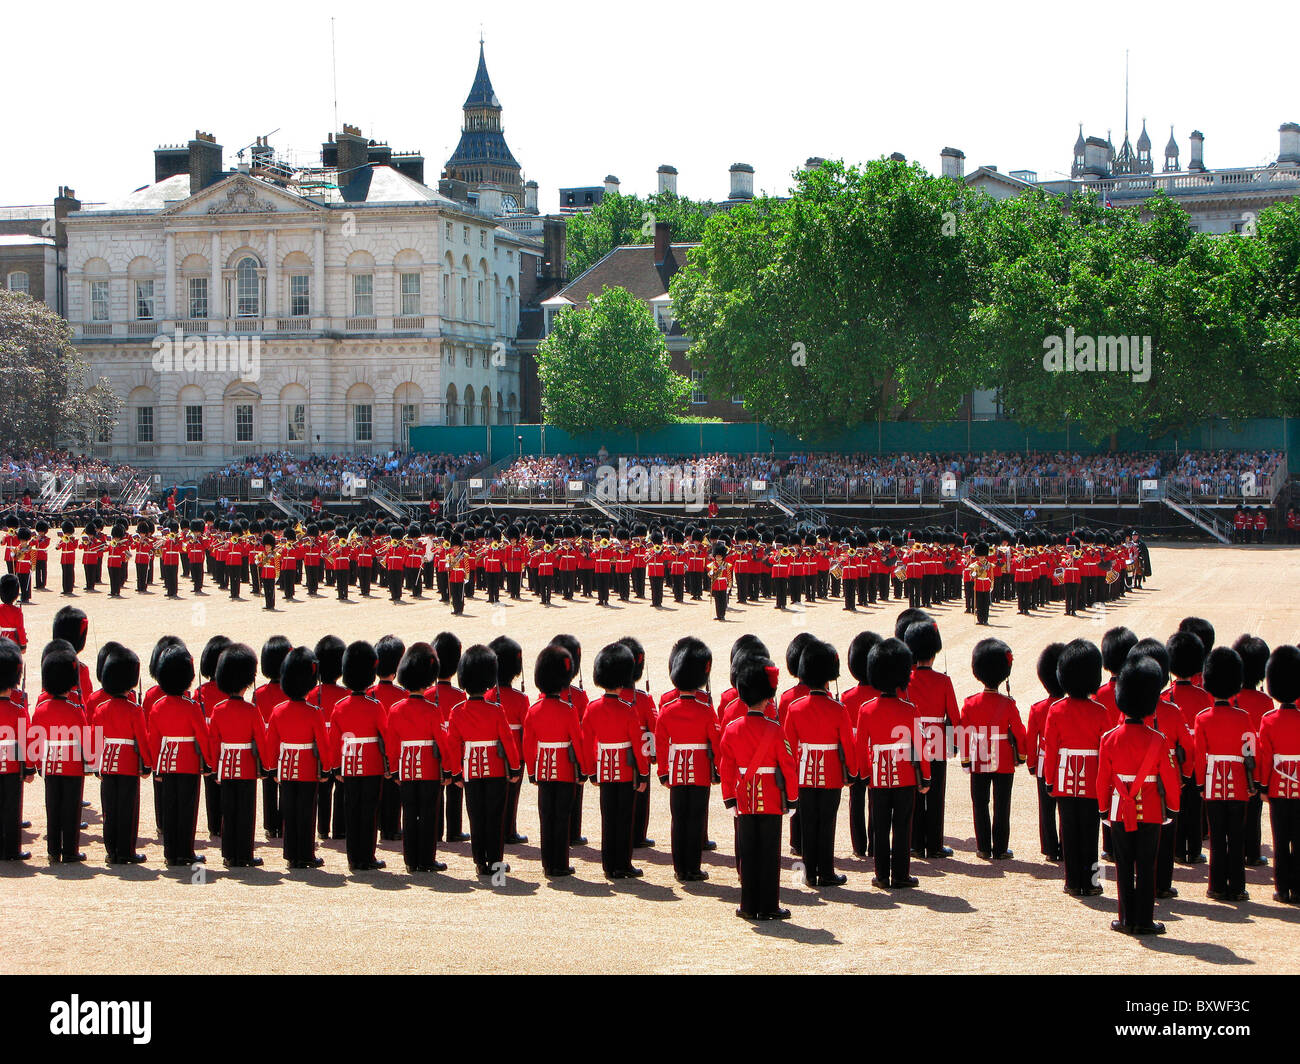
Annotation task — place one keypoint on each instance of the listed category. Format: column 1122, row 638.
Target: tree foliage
column 45, row 397
column 619, row 220
column 606, row 366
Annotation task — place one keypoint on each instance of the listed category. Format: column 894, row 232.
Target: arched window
column 248, row 303
column 19, row 281
column 485, row 399
column 469, row 406
column 449, row 412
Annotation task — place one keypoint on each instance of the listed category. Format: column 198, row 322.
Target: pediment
column 241, row 195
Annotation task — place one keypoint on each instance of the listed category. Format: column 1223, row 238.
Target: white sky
column 620, row 89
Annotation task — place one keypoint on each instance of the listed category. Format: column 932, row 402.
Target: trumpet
column 603, row 543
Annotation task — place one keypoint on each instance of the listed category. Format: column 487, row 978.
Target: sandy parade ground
column 967, row 916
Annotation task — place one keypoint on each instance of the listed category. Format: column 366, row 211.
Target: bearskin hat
column 638, row 655
column 1115, row 647
column 175, row 670
column 11, row 664
column 1201, row 628
column 59, row 672
column 510, row 658
column 236, row 669
column 446, row 645
column 859, row 651
column 1138, row 686
column 756, row 680
column 907, row 618
column 418, row 669
column 553, row 672
column 1079, row 669
column 749, row 644
column 889, row 666
column 795, row 650
column 1253, row 652
column 990, row 662
column 571, row 644
column 120, row 672
column 1223, row 672
column 819, row 664
column 9, row 589
column 1186, row 654
column 1282, row 674
column 1155, row 650
column 613, row 667
column 359, row 667
column 70, row 623
column 298, row 673
column 689, row 664
column 211, row 652
column 388, row 655
column 477, row 673
column 923, row 640
column 274, row 651
column 329, row 658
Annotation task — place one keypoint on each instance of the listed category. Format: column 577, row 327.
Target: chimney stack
column 1096, row 158
column 663, row 241
column 352, row 152
column 1289, row 143
column 1198, row 152
column 64, row 204
column 489, row 198
column 742, row 181
column 555, row 249
column 530, row 197
column 812, row 162
column 409, row 164
column 611, row 185
column 952, row 163
column 169, row 160
column 204, row 161
column 668, row 179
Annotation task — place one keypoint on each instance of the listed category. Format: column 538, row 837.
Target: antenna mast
column 334, row 64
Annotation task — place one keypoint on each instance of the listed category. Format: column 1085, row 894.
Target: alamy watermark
column 1098, row 354
column 204, row 353
column 634, row 483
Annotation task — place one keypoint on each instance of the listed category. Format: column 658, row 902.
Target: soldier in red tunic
column 1135, row 775
column 59, row 751
column 686, row 746
column 644, row 706
column 483, row 757
column 1277, row 768
column 820, row 734
column 514, row 703
column 178, row 735
column 266, row 698
column 932, row 693
column 209, row 696
column 15, row 768
column 993, row 742
column 1049, row 834
column 357, row 755
column 388, row 655
column 617, row 751
column 1254, row 661
column 447, row 696
column 237, row 736
column 124, row 754
column 759, row 782
column 416, row 733
column 1072, row 735
column 1225, row 770
column 329, row 795
column 298, row 753
column 855, row 698
column 1186, row 659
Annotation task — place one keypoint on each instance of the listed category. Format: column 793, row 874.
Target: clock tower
column 482, row 156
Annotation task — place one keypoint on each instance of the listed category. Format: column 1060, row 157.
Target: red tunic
column 992, row 737
column 123, row 738
column 1125, row 751
column 416, row 734
column 687, row 743
column 13, row 735
column 267, row 697
column 296, row 742
column 820, row 733
column 1190, row 699
column 757, row 769
column 553, row 748
column 480, row 744
column 1223, row 737
column 178, row 735
column 58, row 744
column 614, row 741
column 1072, row 741
column 356, row 736
column 515, row 706
column 238, row 740
column 887, row 746
column 1277, row 766
column 1256, row 704
column 937, row 714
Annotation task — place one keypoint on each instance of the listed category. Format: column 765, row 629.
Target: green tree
column 45, row 398
column 606, row 366
column 619, row 220
column 847, row 302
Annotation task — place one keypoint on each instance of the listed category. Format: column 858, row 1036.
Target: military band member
column 514, row 703
column 643, row 705
column 209, row 695
column 1277, row 768
column 1225, row 773
column 447, row 696
column 820, row 735
column 388, row 655
column 297, row 754
column 67, row 547
column 554, row 755
column 855, row 698
column 759, row 782
column 59, row 750
column 178, row 736
column 1049, row 834
column 686, row 745
column 935, row 699
column 993, row 743
column 1071, row 738
column 1186, row 659
column 358, row 755
column 1254, row 653
column 237, row 736
column 329, row 795
column 15, row 767
column 1135, row 773
column 266, row 698
column 483, row 757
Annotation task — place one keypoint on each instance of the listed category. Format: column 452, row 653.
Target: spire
column 1144, row 141
column 481, row 94
column 1078, row 144
column 1172, row 147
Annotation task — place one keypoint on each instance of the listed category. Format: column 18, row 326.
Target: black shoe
column 837, row 880
column 942, row 851
column 1108, row 857
column 644, row 844
column 437, row 866
column 745, row 916
column 710, row 845
column 633, row 873
column 1005, row 855
column 1278, row 895
column 1074, row 892
column 984, row 855
column 859, row 855
column 1172, row 892
column 1243, row 896
column 876, row 881
column 516, row 839
column 1150, row 929
column 25, row 855
column 693, row 877
column 581, row 840
column 917, row 853
column 910, row 881
column 1215, row 895
column 197, row 859
column 371, row 866
column 1258, row 862
column 1122, row 928
column 85, row 804
column 1091, row 892
column 461, row 837
column 83, row 825
column 559, row 873
column 26, row 824
column 779, row 914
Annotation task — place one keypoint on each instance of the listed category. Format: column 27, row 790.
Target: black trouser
column 1135, row 872
column 63, row 815
column 171, row 580
column 616, row 827
column 858, row 816
column 1049, row 837
column 688, row 805
column 982, row 606
column 116, row 578
column 69, row 577
column 141, row 577
column 891, row 828
column 1284, row 816
column 272, row 822
column 420, row 819
column 341, row 579
column 554, row 807
column 602, row 588
column 991, row 838
column 656, row 591
column 329, row 800
column 180, row 810
column 575, row 817
column 758, row 852
column 298, row 810
column 238, row 817
column 394, row 581
column 288, row 581
column 196, row 574
column 119, row 799
column 638, row 583
column 485, row 801
column 232, row 573
column 1080, row 820
column 363, row 579
column 779, row 590
column 89, row 570
column 312, row 573
column 1254, row 814
column 390, row 810
column 1227, row 845
column 1165, row 853
column 512, row 807
column 1188, row 844
column 818, row 810
column 927, row 821
column 11, row 815
column 545, row 584
column 360, row 812
column 450, row 812
column 720, row 605
column 158, row 807
column 457, row 598
column 850, row 594
column 212, row 803
column 268, row 592
column 641, row 809
column 678, row 583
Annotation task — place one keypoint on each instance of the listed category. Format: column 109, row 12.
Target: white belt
column 234, row 746
column 1130, row 779
column 768, row 771
column 674, row 747
column 14, row 742
column 614, row 746
column 807, row 748
column 601, row 748
column 416, row 742
column 352, row 740
column 1065, row 754
column 1278, row 761
column 288, row 746
column 464, row 767
column 552, row 746
column 516, row 727
column 1212, row 760
column 54, row 742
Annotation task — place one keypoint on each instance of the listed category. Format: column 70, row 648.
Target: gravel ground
column 967, row 915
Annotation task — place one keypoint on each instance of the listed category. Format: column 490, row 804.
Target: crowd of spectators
column 330, row 474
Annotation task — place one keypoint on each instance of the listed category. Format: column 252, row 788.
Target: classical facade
column 312, row 310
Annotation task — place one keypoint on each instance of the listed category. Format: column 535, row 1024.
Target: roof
column 152, row 197
column 628, row 266
column 482, row 146
column 17, row 240
column 481, row 93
